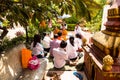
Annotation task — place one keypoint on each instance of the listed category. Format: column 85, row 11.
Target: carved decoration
column 107, row 63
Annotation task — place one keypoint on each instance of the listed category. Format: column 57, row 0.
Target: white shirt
column 46, row 42
column 78, row 42
column 38, row 49
column 60, row 57
column 71, row 50
column 77, row 29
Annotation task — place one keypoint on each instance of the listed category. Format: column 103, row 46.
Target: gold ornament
column 107, row 63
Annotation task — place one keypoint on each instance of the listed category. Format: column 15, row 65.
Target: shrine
column 102, row 56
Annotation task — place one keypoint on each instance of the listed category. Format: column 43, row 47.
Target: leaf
column 24, row 13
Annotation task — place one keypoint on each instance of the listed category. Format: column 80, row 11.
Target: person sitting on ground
column 60, row 36
column 77, row 29
column 73, row 54
column 56, row 30
column 71, row 49
column 46, row 42
column 60, row 55
column 78, row 42
column 55, row 43
column 64, row 33
column 36, row 47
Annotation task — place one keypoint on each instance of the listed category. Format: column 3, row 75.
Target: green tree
column 23, row 11
column 81, row 8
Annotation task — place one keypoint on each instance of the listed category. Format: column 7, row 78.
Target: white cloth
column 65, row 26
column 38, row 49
column 46, row 42
column 60, row 57
column 77, row 30
column 71, row 50
column 104, row 16
column 78, row 42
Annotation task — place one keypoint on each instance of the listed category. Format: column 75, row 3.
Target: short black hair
column 71, row 38
column 37, row 39
column 63, row 44
column 55, row 36
column 59, row 33
column 78, row 35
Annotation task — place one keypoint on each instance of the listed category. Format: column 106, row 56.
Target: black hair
column 55, row 36
column 63, row 44
column 78, row 35
column 37, row 38
column 71, row 39
column 59, row 33
column 44, row 34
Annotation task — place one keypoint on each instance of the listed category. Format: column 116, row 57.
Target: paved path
column 67, row 72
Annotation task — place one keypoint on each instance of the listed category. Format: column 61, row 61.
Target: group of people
column 63, row 51
column 63, row 31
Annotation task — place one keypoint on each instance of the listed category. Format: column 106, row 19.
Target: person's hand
column 79, row 50
column 73, row 63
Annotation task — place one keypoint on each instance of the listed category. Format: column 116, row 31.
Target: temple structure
column 102, row 57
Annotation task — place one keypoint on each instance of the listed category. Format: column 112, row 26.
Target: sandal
column 78, row 75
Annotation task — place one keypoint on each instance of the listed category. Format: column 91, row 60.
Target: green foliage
column 95, row 24
column 71, row 27
column 6, row 23
column 71, row 20
column 33, row 28
column 56, row 25
column 7, row 44
column 44, row 29
column 17, row 11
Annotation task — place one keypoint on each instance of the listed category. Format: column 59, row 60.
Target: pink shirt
column 54, row 44
column 60, row 57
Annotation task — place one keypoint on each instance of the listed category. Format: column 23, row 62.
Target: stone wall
column 10, row 63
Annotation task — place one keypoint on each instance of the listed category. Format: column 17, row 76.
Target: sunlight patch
column 11, row 70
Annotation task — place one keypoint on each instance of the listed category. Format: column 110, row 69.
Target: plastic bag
column 33, row 63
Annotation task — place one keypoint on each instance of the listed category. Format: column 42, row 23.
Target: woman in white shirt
column 78, row 42
column 71, row 49
column 36, row 47
column 77, row 29
column 46, row 42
